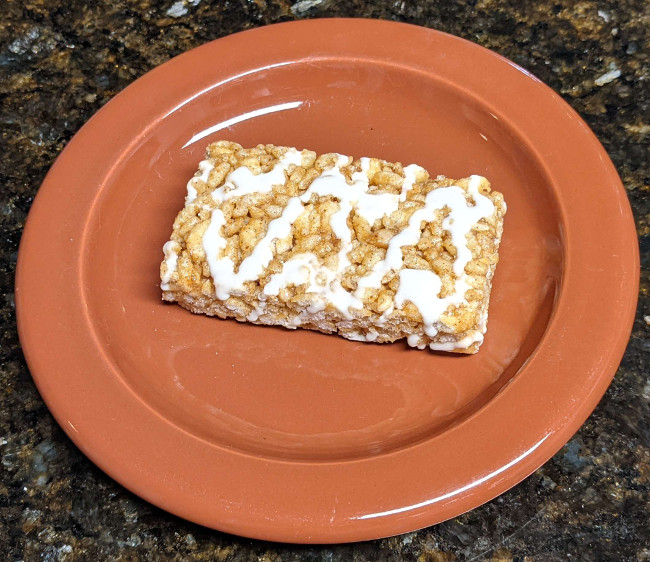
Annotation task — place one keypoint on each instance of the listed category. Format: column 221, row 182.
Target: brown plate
column 299, row 436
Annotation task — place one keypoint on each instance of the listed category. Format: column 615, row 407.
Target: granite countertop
column 60, row 62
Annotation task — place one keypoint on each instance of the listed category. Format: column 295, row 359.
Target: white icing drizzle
column 420, row 287
column 468, row 340
column 171, row 250
column 206, row 167
column 328, row 290
column 223, row 269
column 355, row 336
column 410, row 176
column 372, row 335
column 413, row 340
column 411, row 285
column 323, row 283
column 242, row 181
column 371, row 206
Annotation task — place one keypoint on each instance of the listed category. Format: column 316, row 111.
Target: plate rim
column 393, row 521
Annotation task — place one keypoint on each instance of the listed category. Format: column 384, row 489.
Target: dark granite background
column 60, row 62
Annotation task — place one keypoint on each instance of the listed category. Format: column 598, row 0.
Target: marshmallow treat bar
column 367, row 249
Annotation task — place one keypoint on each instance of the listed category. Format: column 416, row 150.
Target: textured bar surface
column 368, row 249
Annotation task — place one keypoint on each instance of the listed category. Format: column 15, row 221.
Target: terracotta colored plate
column 299, row 436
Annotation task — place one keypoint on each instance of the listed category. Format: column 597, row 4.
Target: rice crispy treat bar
column 365, row 248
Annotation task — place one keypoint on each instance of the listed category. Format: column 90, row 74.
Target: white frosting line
column 321, row 282
column 191, row 193
column 461, row 220
column 242, row 181
column 413, row 340
column 372, row 335
column 296, row 271
column 222, row 269
column 468, row 340
column 409, row 179
column 206, row 167
column 355, row 336
column 303, row 269
column 171, row 250
column 371, row 206
column 420, row 287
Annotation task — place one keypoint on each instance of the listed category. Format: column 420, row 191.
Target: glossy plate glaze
column 299, row 436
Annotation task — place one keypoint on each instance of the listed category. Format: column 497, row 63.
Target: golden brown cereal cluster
column 246, row 222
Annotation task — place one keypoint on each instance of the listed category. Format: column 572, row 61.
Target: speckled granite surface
column 60, row 62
